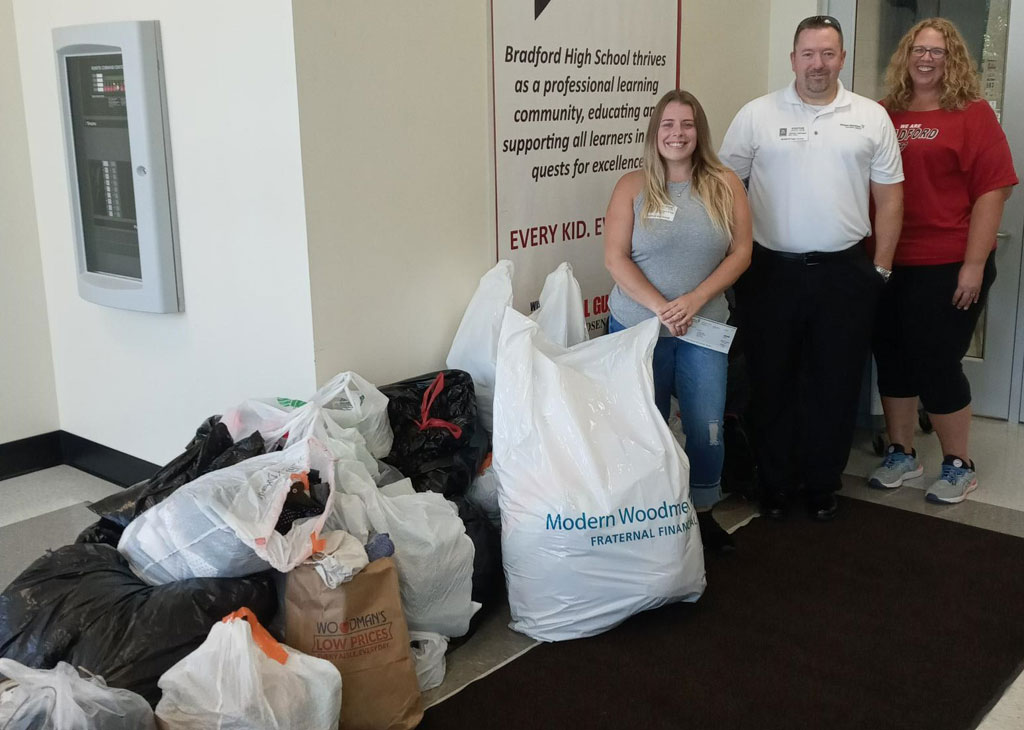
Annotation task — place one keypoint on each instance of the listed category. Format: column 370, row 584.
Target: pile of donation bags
column 287, row 515
column 330, row 547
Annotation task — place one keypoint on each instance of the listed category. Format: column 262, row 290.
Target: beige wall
column 724, row 52
column 735, row 51
column 394, row 111
column 28, row 401
column 141, row 382
column 397, row 156
column 785, row 16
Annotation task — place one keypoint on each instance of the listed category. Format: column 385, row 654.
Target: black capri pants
column 920, row 337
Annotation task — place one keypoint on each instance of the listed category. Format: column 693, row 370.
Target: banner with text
column 575, row 82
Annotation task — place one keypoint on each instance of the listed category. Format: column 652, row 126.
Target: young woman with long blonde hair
column 677, row 235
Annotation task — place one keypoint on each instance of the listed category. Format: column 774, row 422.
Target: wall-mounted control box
column 119, row 165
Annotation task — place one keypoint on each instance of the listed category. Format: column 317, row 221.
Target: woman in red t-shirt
column 958, row 176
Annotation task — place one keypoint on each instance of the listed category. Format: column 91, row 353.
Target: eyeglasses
column 920, row 51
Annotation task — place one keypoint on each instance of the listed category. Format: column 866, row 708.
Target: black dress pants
column 807, row 327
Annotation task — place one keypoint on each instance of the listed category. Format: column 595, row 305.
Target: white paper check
column 710, row 334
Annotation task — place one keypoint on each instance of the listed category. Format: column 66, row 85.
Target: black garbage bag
column 488, row 575
column 210, row 449
column 439, row 443
column 82, row 604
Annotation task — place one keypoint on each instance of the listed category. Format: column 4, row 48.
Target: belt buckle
column 811, row 258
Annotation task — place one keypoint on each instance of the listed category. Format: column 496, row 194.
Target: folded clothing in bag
column 240, row 678
column 596, row 518
column 211, row 449
column 439, row 443
column 223, row 523
column 82, row 604
column 59, row 699
column 360, row 628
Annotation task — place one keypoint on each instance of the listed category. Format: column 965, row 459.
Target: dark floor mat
column 882, row 619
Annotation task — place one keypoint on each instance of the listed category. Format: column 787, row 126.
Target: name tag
column 793, row 134
column 710, row 334
column 667, row 213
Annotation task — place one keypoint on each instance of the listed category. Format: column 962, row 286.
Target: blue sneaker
column 957, row 481
column 897, row 467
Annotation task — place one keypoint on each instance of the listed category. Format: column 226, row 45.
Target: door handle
column 1002, row 236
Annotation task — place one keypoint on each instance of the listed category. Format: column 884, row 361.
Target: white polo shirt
column 809, row 167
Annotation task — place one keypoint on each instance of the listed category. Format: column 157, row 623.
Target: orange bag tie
column 319, row 543
column 302, row 478
column 429, row 397
column 267, row 643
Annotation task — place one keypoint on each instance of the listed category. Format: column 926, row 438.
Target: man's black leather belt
column 813, row 257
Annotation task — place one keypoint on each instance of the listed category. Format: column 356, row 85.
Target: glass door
column 994, row 36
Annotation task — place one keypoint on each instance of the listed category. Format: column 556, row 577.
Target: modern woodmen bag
column 360, row 628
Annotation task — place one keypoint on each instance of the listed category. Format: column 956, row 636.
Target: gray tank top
column 675, row 256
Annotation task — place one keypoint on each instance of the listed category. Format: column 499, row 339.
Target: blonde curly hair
column 960, row 81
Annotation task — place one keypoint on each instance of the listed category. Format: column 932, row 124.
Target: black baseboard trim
column 60, row 447
column 30, row 454
column 104, row 462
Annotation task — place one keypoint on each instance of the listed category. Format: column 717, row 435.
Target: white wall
column 141, row 382
column 394, row 105
column 28, row 400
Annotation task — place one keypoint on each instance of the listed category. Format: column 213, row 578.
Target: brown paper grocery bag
column 360, row 628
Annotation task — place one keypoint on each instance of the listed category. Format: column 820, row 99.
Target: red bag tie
column 434, row 390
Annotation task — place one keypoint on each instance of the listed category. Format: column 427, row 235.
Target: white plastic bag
column 428, row 651
column 241, row 679
column 59, row 699
column 560, row 314
column 338, row 557
column 258, row 414
column 596, row 518
column 221, row 525
column 433, row 553
column 354, row 402
column 475, row 346
column 483, row 492
column 348, row 399
column 313, row 421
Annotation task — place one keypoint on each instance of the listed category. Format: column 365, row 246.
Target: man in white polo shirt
column 812, row 153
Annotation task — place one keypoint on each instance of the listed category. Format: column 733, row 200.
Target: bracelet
column 883, row 272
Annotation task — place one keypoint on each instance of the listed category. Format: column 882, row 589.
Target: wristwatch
column 883, row 272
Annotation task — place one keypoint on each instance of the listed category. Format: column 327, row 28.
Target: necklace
column 681, row 187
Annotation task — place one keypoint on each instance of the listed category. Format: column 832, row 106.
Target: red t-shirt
column 950, row 159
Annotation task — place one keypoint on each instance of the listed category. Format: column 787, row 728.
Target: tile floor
column 48, row 509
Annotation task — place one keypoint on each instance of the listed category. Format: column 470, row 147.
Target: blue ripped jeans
column 696, row 377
